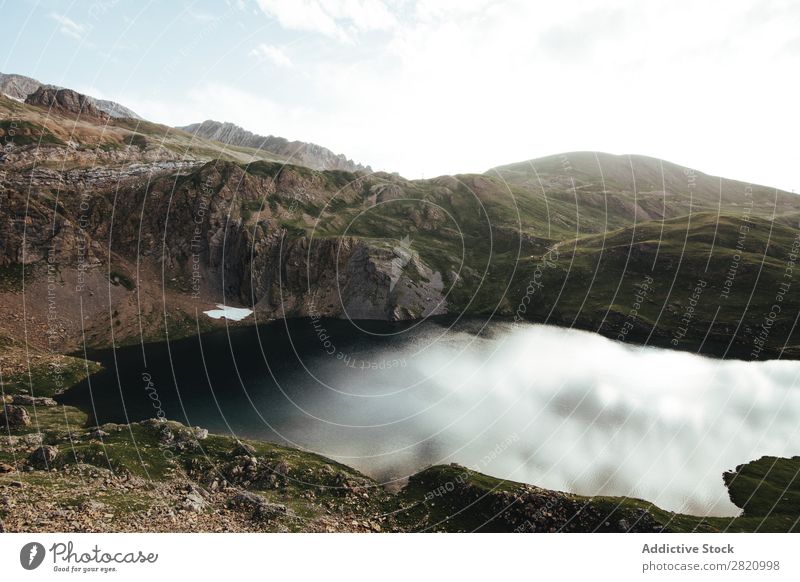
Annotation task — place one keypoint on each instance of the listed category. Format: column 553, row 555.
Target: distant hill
column 300, row 153
column 20, row 87
column 628, row 189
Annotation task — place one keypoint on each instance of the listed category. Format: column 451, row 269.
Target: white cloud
column 339, row 19
column 486, row 84
column 225, row 103
column 201, row 16
column 273, row 54
column 460, row 86
column 69, row 27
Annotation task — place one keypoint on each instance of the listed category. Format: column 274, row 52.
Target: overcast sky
column 429, row 87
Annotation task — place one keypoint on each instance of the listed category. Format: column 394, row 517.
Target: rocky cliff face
column 19, row 87
column 200, row 229
column 300, row 153
column 113, row 230
column 65, row 101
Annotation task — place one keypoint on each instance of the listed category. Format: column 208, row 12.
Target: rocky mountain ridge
column 65, row 101
column 174, row 222
column 20, row 87
column 299, row 153
column 118, row 231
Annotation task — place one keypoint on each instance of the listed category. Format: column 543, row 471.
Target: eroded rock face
column 19, row 87
column 344, row 277
column 197, row 234
column 201, row 232
column 65, row 101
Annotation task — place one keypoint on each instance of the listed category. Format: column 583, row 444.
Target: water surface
column 560, row 408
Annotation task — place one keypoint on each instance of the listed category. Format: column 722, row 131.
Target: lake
column 559, row 408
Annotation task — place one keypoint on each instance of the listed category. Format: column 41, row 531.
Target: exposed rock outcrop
column 65, row 101
column 300, row 153
column 14, row 416
column 19, row 87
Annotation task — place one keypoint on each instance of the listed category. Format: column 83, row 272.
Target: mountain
column 566, row 239
column 642, row 178
column 64, row 101
column 117, row 230
column 298, row 152
column 19, row 87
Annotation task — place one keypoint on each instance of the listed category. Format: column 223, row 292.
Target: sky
column 431, row 87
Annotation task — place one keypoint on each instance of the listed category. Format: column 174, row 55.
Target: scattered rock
column 194, row 500
column 260, row 507
column 5, row 468
column 28, row 400
column 44, row 455
column 243, row 449
column 15, row 416
column 92, row 505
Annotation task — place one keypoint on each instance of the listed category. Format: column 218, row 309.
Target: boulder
column 194, row 500
column 28, row 400
column 15, row 416
column 243, row 449
column 44, row 455
column 260, row 507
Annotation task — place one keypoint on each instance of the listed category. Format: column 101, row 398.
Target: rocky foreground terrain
column 117, row 230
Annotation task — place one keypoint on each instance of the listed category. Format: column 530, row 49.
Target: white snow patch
column 228, row 312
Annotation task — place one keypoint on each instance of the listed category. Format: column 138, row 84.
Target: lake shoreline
column 235, row 392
